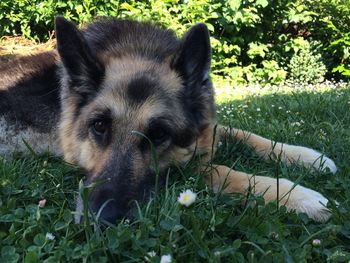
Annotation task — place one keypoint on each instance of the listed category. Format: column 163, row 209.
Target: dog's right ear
column 83, row 68
column 193, row 59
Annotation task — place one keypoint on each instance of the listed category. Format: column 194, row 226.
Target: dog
column 118, row 91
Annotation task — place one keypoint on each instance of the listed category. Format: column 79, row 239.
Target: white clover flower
column 280, row 108
column 150, row 255
column 316, row 242
column 295, row 124
column 297, row 133
column 50, row 236
column 258, row 109
column 187, row 198
column 165, row 259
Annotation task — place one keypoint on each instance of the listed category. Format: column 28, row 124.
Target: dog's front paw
column 304, row 200
column 308, row 158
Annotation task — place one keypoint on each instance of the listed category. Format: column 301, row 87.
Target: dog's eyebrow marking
column 140, row 88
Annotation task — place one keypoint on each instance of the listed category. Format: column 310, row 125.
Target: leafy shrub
column 331, row 27
column 305, row 66
column 249, row 38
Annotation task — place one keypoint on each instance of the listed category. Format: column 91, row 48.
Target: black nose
column 106, row 206
column 108, row 211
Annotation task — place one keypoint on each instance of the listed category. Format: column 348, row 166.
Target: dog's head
column 130, row 90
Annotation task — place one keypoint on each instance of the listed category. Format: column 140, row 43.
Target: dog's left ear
column 193, row 59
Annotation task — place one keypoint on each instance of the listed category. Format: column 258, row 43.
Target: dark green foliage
column 331, row 26
column 253, row 41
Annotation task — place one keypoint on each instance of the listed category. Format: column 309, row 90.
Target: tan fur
column 67, row 134
column 270, row 150
column 294, row 197
column 121, row 69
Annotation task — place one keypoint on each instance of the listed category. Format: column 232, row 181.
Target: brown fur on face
column 124, row 94
column 129, row 112
column 127, row 116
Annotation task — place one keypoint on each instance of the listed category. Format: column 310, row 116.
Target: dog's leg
column 294, row 197
column 287, row 153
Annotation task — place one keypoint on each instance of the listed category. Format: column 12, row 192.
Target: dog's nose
column 105, row 206
column 108, row 211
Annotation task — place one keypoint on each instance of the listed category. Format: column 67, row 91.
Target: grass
column 217, row 227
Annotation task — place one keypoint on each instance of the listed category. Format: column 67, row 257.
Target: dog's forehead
column 137, row 83
column 131, row 75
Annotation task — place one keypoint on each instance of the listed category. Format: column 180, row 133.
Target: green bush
column 252, row 40
column 305, row 66
column 331, row 27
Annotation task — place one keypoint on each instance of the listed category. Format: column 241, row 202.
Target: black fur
column 140, row 88
column 114, row 189
column 193, row 64
column 123, row 37
column 80, row 62
column 29, row 92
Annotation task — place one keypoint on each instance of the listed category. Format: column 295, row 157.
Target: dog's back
column 29, row 103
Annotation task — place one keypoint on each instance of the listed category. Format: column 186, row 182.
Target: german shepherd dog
column 118, row 87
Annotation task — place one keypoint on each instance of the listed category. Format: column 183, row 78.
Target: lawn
column 217, row 227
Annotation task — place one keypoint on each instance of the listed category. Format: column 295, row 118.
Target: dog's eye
column 158, row 135
column 100, row 127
